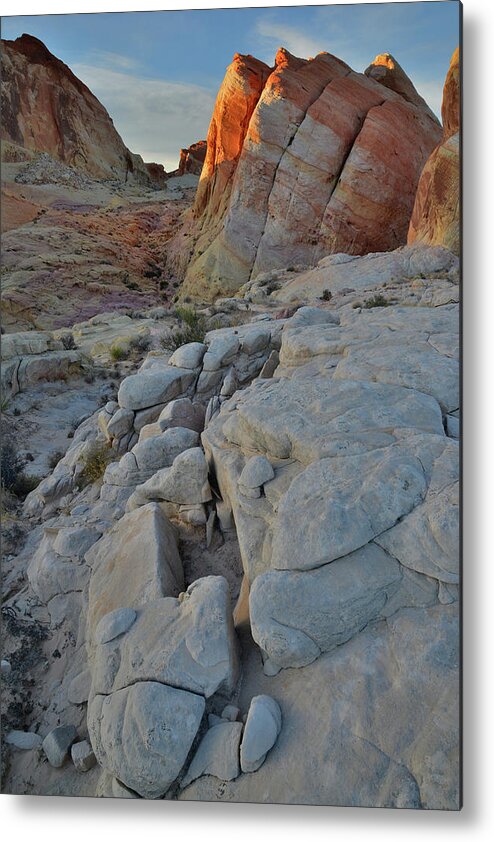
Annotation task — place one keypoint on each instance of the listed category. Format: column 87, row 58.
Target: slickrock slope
column 344, row 688
column 45, row 107
column 436, row 213
column 304, row 161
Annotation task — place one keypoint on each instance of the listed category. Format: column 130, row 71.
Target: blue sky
column 158, row 73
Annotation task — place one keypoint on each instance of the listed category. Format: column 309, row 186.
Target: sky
column 157, row 73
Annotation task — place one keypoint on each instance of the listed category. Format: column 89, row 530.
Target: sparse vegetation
column 68, row 341
column 326, row 295
column 95, row 461
column 140, row 344
column 117, row 353
column 14, row 479
column 194, row 329
column 132, row 285
column 54, row 459
column 376, row 301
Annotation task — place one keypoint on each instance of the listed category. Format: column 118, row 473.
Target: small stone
column 57, row 743
column 79, row 688
column 218, row 754
column 6, row 667
column 256, row 472
column 231, row 713
column 83, row 756
column 188, row 356
column 24, row 740
column 113, row 624
column 261, row 732
column 213, row 720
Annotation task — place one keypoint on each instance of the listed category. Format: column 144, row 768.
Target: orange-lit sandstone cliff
column 436, row 213
column 46, row 108
column 303, row 160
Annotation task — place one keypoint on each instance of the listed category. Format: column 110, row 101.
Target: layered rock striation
column 306, row 159
column 46, row 108
column 436, row 213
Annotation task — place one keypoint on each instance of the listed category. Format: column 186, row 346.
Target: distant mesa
column 305, row 159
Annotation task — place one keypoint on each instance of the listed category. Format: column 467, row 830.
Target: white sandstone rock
column 139, row 391
column 142, row 734
column 114, row 624
column 256, row 472
column 188, row 643
column 24, row 740
column 188, row 356
column 83, row 756
column 136, row 561
column 218, row 754
column 57, row 743
column 261, row 731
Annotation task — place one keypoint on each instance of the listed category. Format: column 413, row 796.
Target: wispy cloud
column 355, row 40
column 154, row 117
column 293, row 39
column 114, row 61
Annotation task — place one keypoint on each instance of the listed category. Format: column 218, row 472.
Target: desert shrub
column 132, row 285
column 117, row 353
column 164, row 284
column 54, row 458
column 68, row 341
column 376, row 301
column 139, row 344
column 194, row 329
column 326, row 295
column 11, row 463
column 95, row 461
column 24, row 484
column 14, row 480
column 272, row 286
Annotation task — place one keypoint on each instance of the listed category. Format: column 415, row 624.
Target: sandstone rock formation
column 342, row 623
column 307, row 160
column 192, row 158
column 45, row 107
column 436, row 214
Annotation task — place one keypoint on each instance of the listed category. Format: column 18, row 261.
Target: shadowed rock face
column 304, row 160
column 436, row 214
column 45, row 107
column 192, row 158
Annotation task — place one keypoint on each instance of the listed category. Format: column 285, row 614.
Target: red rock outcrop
column 238, row 96
column 305, row 160
column 157, row 174
column 192, row 158
column 386, row 70
column 436, row 213
column 46, row 108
